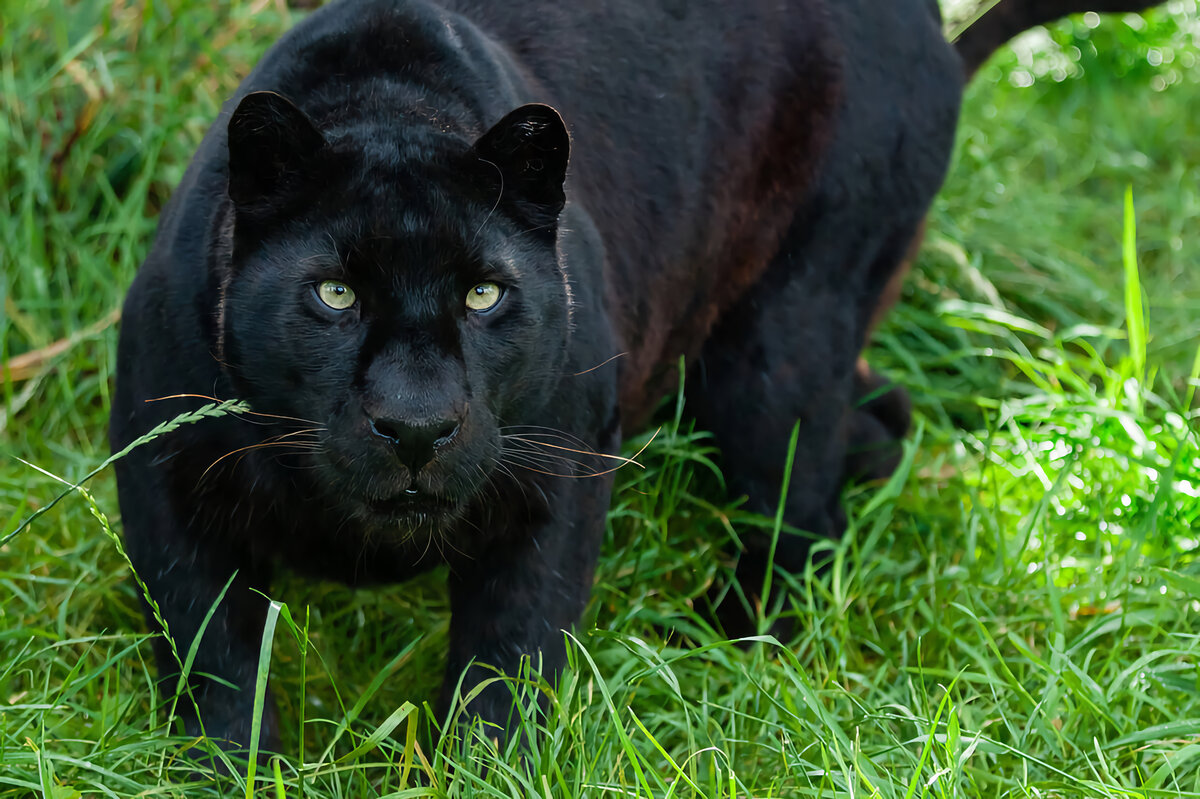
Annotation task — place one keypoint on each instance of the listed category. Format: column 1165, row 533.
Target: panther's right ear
column 529, row 148
column 270, row 139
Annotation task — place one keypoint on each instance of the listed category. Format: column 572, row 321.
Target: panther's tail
column 1009, row 17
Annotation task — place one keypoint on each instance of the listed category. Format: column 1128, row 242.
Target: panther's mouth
column 415, row 508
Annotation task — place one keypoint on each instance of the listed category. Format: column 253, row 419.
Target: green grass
column 1017, row 613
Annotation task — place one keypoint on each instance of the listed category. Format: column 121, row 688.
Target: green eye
column 483, row 297
column 337, row 296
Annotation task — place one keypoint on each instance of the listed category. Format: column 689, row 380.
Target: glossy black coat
column 742, row 180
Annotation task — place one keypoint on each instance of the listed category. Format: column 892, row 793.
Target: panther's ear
column 529, row 147
column 270, row 139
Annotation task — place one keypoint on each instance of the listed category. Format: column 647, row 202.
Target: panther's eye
column 335, row 294
column 483, row 296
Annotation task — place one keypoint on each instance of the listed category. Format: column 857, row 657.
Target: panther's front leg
column 517, row 596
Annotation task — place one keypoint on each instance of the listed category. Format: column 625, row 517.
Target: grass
column 1017, row 613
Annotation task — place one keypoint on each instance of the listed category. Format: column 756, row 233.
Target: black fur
column 740, row 183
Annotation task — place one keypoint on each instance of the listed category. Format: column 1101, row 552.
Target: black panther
column 449, row 253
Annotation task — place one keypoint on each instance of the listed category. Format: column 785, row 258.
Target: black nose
column 415, row 442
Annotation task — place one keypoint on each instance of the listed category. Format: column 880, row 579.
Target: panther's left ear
column 530, row 146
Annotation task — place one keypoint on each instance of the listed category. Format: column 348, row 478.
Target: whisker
column 500, row 465
column 570, row 467
column 542, row 454
column 593, row 453
column 289, row 448
column 533, row 429
column 625, row 462
column 602, row 363
column 559, row 469
column 499, row 197
column 300, row 446
column 566, row 470
column 539, row 458
column 542, row 471
column 307, row 431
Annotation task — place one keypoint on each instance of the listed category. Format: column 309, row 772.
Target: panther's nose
column 416, row 441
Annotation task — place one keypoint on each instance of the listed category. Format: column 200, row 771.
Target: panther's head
column 396, row 283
